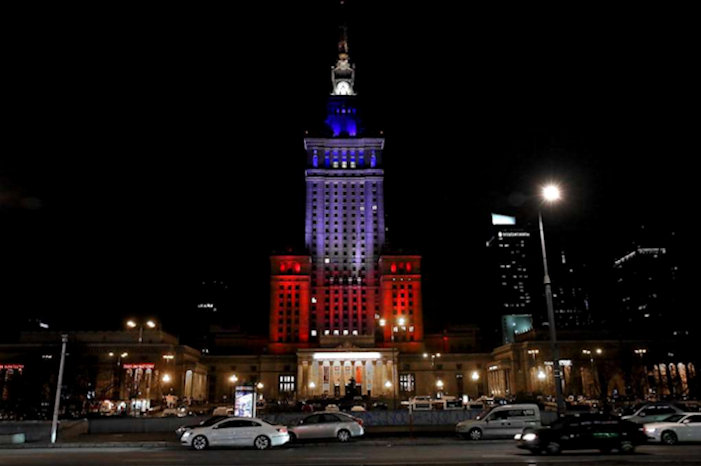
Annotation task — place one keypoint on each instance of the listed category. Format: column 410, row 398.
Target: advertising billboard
column 245, row 401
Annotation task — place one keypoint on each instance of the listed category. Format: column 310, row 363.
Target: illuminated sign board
column 244, row 404
column 503, row 220
column 18, row 367
column 145, row 365
column 514, row 234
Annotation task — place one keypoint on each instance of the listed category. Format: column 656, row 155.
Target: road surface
column 360, row 452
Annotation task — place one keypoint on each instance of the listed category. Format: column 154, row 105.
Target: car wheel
column 343, row 435
column 261, row 442
column 475, row 434
column 200, row 442
column 626, row 447
column 553, row 448
column 669, row 438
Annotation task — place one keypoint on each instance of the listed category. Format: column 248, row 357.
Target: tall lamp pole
column 57, row 401
column 551, row 194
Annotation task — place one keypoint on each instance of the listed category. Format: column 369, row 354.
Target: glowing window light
column 347, row 355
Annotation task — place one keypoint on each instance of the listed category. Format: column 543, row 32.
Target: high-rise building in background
column 570, row 296
column 343, row 286
column 509, row 248
column 646, row 286
column 212, row 301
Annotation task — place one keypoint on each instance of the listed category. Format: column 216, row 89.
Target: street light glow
column 233, row 379
column 475, row 375
column 551, row 193
column 131, row 324
column 151, row 324
column 166, row 378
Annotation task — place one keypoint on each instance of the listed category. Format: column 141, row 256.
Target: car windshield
column 211, row 420
column 673, row 418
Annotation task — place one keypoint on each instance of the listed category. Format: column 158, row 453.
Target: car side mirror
column 215, row 427
column 301, row 421
column 686, row 421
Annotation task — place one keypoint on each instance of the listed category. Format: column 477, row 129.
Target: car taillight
column 282, row 430
column 359, row 421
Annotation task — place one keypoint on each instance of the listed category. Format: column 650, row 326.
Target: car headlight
column 649, row 430
column 529, row 437
column 186, row 434
column 517, row 437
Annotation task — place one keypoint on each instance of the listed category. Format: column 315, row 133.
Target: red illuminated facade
column 289, row 299
column 400, row 285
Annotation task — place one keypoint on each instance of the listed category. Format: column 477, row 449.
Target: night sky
column 146, row 151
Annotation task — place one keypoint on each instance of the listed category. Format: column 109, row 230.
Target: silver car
column 327, row 425
column 653, row 412
column 502, row 421
column 236, row 431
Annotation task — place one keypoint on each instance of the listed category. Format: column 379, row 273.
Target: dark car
column 583, row 432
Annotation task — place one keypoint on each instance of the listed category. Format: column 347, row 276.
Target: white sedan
column 236, row 431
column 683, row 427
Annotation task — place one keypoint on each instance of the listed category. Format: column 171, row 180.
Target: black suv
column 583, row 432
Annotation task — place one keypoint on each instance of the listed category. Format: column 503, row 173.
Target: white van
column 501, row 422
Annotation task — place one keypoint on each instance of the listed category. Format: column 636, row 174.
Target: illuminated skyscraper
column 336, row 289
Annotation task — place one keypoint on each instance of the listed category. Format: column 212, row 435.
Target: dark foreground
column 361, row 452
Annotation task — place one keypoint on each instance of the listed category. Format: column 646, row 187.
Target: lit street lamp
column 132, row 324
column 594, row 368
column 232, row 380
column 551, row 193
column 642, row 385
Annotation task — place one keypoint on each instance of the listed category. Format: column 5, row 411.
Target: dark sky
column 145, row 151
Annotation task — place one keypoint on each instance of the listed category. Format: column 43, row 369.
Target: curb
column 23, row 446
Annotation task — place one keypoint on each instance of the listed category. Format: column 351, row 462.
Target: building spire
column 343, row 41
column 343, row 74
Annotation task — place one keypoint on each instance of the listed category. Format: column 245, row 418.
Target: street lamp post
column 433, row 357
column 232, row 380
column 551, row 194
column 643, row 371
column 594, row 369
column 534, row 353
column 57, row 401
column 151, row 324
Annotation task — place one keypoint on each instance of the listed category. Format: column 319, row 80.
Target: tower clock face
column 343, row 88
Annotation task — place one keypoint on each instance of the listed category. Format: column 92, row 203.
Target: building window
column 407, row 383
column 286, row 383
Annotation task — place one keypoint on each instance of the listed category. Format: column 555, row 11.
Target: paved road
column 356, row 453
